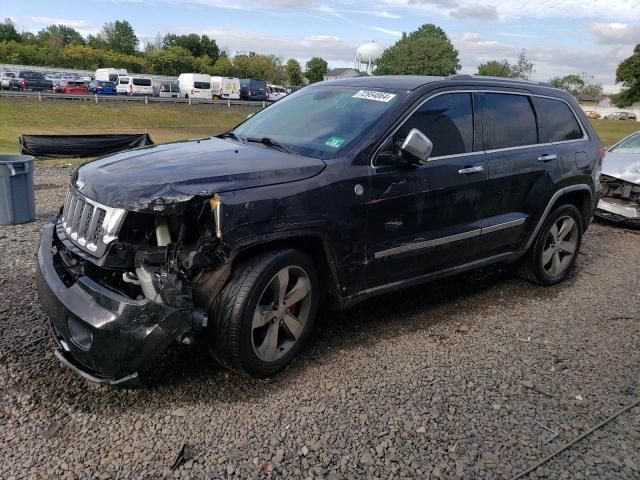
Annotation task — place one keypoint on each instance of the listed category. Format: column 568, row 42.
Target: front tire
column 263, row 315
column 554, row 252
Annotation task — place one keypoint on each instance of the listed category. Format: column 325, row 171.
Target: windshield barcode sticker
column 375, row 95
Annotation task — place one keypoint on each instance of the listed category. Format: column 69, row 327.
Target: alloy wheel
column 560, row 246
column 281, row 314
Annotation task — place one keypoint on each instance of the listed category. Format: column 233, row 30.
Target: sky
column 561, row 37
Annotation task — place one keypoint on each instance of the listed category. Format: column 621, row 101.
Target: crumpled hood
column 159, row 177
column 625, row 166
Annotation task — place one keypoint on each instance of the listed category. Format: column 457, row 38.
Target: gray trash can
column 16, row 189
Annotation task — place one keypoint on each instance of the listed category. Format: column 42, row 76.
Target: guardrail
column 129, row 98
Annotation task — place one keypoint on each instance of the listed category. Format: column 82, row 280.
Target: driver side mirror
column 417, row 146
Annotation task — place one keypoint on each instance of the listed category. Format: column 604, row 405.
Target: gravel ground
column 463, row 378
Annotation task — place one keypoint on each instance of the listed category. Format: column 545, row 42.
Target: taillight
column 250, row 93
column 24, row 84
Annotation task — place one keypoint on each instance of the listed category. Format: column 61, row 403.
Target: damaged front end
column 120, row 286
column 620, row 201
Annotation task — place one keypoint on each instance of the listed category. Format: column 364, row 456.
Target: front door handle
column 546, row 157
column 476, row 169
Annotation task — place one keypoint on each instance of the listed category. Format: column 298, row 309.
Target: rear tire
column 263, row 315
column 555, row 249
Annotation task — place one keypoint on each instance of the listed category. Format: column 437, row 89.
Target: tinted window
column 508, row 121
column 558, row 121
column 447, row 120
column 142, row 82
column 202, row 85
column 124, row 81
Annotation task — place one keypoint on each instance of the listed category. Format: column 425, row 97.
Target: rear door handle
column 476, row 169
column 546, row 158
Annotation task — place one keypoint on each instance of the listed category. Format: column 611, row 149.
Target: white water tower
column 367, row 56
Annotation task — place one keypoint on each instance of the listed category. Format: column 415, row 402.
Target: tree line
column 426, row 51
column 116, row 45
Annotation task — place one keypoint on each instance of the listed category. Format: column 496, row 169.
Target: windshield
column 630, row 145
column 320, row 121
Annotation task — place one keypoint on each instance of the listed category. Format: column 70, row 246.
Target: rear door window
column 558, row 121
column 447, row 120
column 508, row 121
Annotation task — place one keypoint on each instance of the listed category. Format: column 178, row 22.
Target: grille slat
column 86, row 223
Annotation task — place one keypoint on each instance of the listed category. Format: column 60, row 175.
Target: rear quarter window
column 558, row 121
column 508, row 121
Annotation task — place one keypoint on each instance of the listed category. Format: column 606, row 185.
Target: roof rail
column 459, row 76
column 464, row 76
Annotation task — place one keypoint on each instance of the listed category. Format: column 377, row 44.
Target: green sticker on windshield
column 334, row 142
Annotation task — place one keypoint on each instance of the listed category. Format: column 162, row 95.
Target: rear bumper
column 119, row 336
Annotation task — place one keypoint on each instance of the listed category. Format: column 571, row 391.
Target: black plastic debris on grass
column 67, row 146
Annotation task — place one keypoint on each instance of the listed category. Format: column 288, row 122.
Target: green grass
column 610, row 131
column 164, row 122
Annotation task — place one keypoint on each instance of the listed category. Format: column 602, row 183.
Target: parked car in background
column 75, row 87
column 592, row 114
column 57, row 85
column 621, row 116
column 620, row 179
column 275, row 92
column 225, row 87
column 141, row 86
column 169, row 90
column 30, row 80
column 122, row 85
column 344, row 190
column 195, row 85
column 102, row 88
column 253, row 89
column 5, row 79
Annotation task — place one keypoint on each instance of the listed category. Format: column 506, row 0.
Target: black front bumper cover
column 127, row 335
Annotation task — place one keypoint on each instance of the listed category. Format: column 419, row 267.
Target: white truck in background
column 225, row 87
column 110, row 74
column 195, row 85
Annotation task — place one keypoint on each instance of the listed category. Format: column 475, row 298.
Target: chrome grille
column 90, row 225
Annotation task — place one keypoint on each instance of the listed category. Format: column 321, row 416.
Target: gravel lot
column 462, row 378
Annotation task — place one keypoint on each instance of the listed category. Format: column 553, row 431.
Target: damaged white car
column 620, row 179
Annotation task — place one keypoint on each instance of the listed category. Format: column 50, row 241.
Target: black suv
column 338, row 192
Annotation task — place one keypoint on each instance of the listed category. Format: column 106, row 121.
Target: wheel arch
column 317, row 247
column 581, row 196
